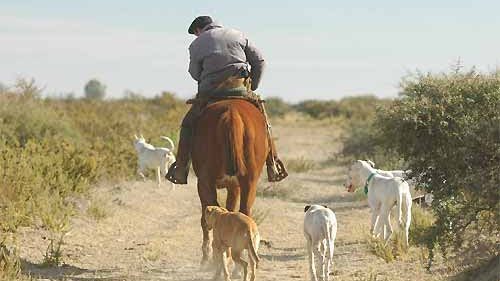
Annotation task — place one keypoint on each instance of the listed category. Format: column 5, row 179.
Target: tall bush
column 447, row 128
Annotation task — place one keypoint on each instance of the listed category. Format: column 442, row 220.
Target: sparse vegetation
column 259, row 215
column 391, row 250
column 53, row 253
column 299, row 165
column 278, row 191
column 97, row 209
column 52, row 150
column 10, row 266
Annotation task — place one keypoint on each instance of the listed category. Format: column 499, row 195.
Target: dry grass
column 299, row 165
column 155, row 234
column 392, row 250
column 54, row 253
column 10, row 266
column 275, row 191
column 259, row 215
column 98, row 209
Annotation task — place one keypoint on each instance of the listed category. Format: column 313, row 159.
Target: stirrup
column 170, row 176
column 276, row 172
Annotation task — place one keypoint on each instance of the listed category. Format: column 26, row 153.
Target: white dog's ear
column 307, row 208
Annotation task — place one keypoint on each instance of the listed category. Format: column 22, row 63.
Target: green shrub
column 446, row 127
column 318, row 109
column 276, row 107
column 360, row 108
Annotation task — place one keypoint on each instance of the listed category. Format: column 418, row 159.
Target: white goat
column 320, row 229
column 150, row 157
column 383, row 193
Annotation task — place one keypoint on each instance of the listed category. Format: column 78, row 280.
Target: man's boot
column 275, row 168
column 178, row 171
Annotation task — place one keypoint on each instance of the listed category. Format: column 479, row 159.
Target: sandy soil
column 154, row 233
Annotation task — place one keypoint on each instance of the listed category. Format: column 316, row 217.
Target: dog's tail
column 408, row 201
column 169, row 141
column 252, row 248
column 329, row 238
column 399, row 203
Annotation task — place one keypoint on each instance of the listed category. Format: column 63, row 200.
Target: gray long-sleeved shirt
column 219, row 53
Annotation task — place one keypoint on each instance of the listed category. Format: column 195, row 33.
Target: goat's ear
column 307, row 208
column 142, row 137
column 135, row 136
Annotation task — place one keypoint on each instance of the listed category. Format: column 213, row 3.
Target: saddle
column 231, row 88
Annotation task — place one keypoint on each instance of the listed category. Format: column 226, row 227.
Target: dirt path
column 154, row 233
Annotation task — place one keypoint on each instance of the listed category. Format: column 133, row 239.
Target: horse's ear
column 307, row 208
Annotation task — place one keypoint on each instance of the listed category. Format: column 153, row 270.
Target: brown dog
column 236, row 231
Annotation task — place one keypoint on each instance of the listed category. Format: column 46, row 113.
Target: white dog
column 150, row 157
column 392, row 173
column 383, row 193
column 428, row 198
column 320, row 229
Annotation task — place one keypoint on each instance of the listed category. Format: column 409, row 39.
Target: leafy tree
column 447, row 128
column 95, row 89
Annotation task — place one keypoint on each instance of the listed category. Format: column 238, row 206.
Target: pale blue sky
column 314, row 49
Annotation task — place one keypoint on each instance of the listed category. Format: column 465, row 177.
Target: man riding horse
column 219, row 59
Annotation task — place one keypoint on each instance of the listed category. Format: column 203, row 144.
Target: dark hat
column 199, row 22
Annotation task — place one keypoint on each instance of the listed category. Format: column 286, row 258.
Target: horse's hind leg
column 233, row 195
column 248, row 188
column 208, row 197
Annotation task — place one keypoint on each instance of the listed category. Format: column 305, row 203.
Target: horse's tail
column 235, row 155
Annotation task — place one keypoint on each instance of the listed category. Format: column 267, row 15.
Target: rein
column 368, row 182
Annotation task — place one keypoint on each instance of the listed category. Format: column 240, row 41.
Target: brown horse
column 230, row 146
